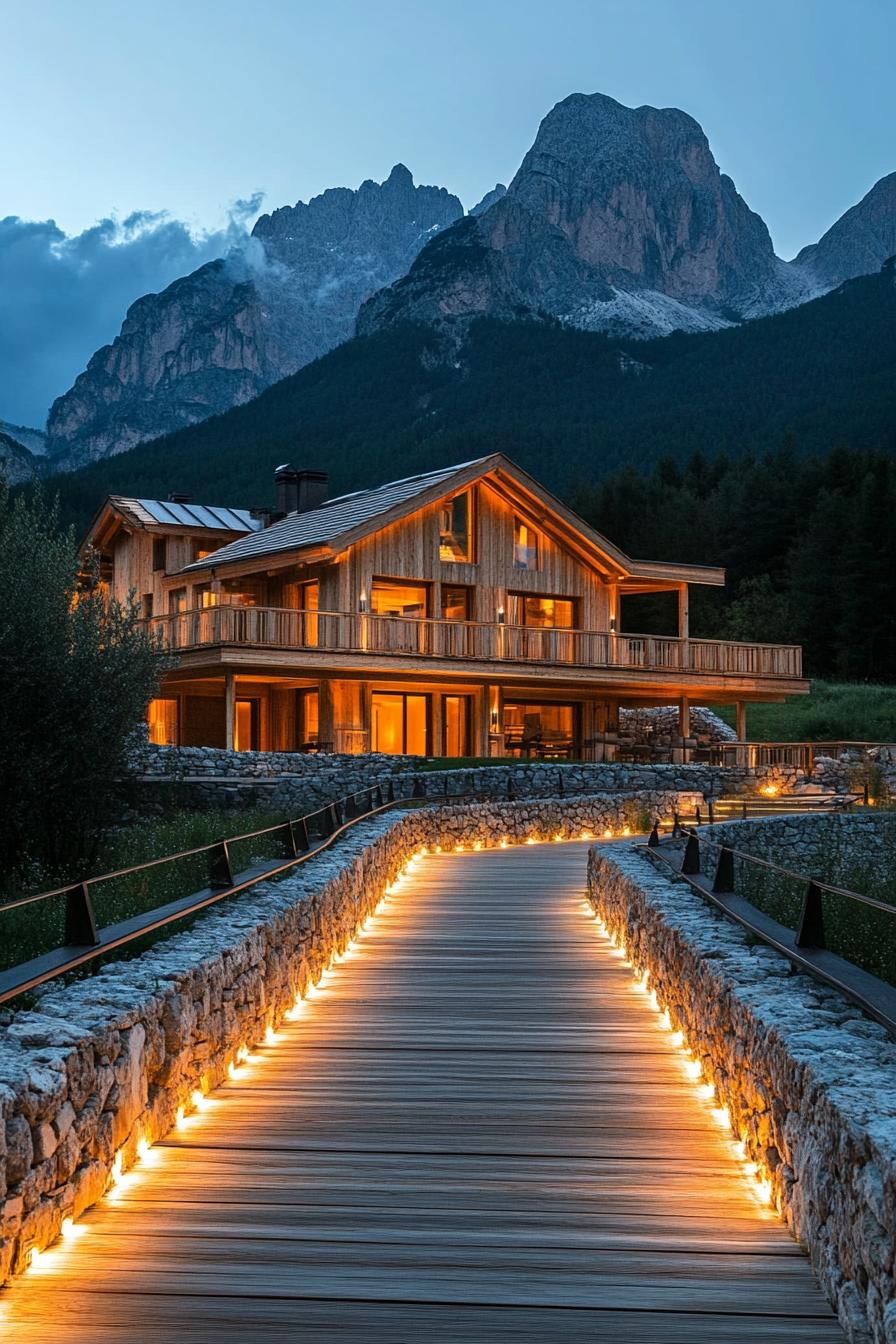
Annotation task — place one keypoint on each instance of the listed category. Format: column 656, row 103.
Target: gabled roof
column 328, row 524
column 119, row 511
column 341, row 522
column 168, row 513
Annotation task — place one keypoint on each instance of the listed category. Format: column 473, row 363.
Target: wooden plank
column 475, row 1131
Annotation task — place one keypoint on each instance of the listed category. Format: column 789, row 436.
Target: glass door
column 456, row 725
column 400, row 723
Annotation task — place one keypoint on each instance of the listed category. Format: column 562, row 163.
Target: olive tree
column 76, row 673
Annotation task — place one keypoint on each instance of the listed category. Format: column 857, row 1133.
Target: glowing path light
column 758, row 1180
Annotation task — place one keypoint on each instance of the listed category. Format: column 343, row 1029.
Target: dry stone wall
column 104, row 1064
column 823, row 846
column 212, row 777
column 809, row 1082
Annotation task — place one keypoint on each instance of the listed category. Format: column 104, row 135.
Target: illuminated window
column 161, row 716
column 456, row 725
column 245, row 736
column 456, row 528
column 245, row 592
column 540, row 730
column 309, row 716
column 390, row 597
column 203, row 596
column 201, row 549
column 400, row 724
column 177, row 601
column 546, row 613
column 525, row 545
column 456, row 602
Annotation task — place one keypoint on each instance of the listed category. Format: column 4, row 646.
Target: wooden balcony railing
column 358, row 632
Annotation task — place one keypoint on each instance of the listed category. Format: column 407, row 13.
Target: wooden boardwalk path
column 476, row 1132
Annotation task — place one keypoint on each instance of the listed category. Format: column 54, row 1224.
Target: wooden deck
column 476, row 1132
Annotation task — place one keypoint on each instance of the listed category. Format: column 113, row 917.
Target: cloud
column 63, row 296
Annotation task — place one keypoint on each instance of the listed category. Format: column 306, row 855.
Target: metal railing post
column 80, row 919
column 810, row 930
column 299, row 834
column 654, row 838
column 220, row 873
column 724, row 878
column 676, row 825
column 690, row 863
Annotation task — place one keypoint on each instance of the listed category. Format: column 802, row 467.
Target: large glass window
column 204, row 596
column 244, row 593
column 546, row 613
column 456, row 602
column 525, row 545
column 177, row 601
column 400, row 723
column 246, row 724
column 546, row 730
column 161, row 716
column 392, row 597
column 456, row 528
column 456, row 725
column 309, row 717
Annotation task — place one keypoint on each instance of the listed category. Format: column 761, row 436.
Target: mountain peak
column 859, row 242
column 400, row 176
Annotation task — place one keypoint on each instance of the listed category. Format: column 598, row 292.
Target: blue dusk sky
column 152, row 134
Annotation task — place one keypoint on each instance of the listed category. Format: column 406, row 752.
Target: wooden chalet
column 462, row 612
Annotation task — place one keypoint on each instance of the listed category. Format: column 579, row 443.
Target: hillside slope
column 570, row 406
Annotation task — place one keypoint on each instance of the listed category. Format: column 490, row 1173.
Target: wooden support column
column 684, row 726
column 229, row 711
column 740, row 711
column 684, row 619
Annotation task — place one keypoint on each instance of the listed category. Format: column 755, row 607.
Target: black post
column 676, row 826
column 865, row 794
column 712, row 812
column 336, row 816
column 724, row 878
column 80, row 920
column 220, row 873
column 378, row 796
column 810, row 932
column 559, row 783
column 349, row 809
column 690, row 863
column 654, row 838
column 390, row 792
column 698, row 820
column 511, row 791
column 299, row 831
column 419, row 787
column 744, row 810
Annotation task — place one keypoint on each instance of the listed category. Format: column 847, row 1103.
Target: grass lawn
column 832, row 712
column 27, row 932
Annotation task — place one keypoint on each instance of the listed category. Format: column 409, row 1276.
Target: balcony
column 470, row 642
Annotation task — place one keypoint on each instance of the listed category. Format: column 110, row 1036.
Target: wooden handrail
column 365, row 632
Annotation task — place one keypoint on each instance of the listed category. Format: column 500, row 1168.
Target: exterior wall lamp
column 362, row 600
column 500, row 615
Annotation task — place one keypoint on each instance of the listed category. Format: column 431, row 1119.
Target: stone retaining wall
column 105, row 1063
column 823, row 845
column 809, row 1082
column 292, row 782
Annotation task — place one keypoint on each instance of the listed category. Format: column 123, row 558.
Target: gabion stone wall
column 104, row 1064
column 809, row 1082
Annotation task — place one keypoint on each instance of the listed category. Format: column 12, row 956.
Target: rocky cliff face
column 21, row 451
column 619, row 220
column 860, row 241
column 615, row 213
column 218, row 337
